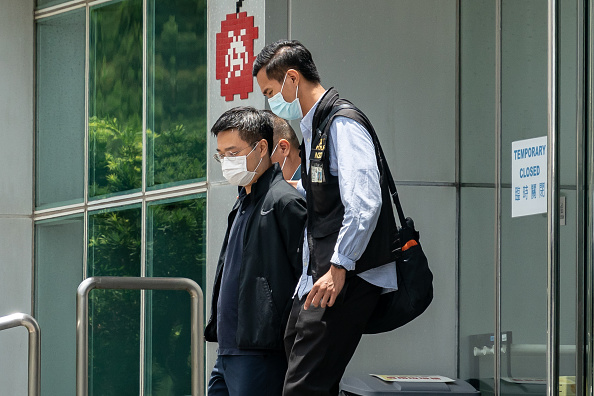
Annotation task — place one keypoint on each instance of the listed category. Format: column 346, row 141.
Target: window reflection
column 58, row 272
column 60, row 134
column 115, row 98
column 176, row 131
column 176, row 247
column 114, row 315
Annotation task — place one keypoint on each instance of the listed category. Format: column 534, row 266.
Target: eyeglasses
column 219, row 157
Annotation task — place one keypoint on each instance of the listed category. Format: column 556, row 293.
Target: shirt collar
column 307, row 120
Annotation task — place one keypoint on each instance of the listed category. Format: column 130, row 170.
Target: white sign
column 412, row 378
column 529, row 177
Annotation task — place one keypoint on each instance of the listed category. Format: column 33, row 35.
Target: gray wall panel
column 13, row 371
column 16, row 184
column 396, row 60
column 15, row 292
column 16, row 107
column 428, row 345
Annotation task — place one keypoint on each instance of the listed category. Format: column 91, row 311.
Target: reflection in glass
column 523, row 239
column 114, row 315
column 477, row 90
column 477, row 219
column 60, row 109
column 176, row 247
column 115, row 98
column 49, row 3
column 58, row 272
column 176, row 110
column 476, row 286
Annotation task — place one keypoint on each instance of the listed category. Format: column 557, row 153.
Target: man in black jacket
column 259, row 264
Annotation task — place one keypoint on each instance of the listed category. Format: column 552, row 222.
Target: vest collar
column 324, row 107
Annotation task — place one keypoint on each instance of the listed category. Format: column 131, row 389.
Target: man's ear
column 284, row 146
column 263, row 148
column 294, row 75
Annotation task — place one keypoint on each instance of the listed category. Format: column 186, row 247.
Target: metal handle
column 133, row 283
column 21, row 319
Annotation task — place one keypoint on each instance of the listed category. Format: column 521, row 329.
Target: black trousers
column 320, row 342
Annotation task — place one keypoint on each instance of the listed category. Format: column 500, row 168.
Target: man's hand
column 326, row 289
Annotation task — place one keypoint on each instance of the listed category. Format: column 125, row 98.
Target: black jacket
column 271, row 264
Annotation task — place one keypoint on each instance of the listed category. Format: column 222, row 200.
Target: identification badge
column 317, row 174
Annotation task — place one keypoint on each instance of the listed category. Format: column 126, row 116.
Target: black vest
column 325, row 210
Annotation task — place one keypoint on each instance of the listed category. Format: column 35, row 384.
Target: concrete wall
column 16, row 185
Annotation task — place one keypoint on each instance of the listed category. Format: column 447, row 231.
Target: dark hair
column 253, row 125
column 282, row 130
column 283, row 55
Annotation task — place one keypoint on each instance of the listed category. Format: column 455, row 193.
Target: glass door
column 505, row 236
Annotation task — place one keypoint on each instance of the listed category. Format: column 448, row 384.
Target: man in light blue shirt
column 347, row 262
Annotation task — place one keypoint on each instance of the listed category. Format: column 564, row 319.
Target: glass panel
column 477, row 219
column 568, row 179
column 114, row 324
column 524, row 239
column 176, row 247
column 176, row 119
column 49, row 3
column 58, row 272
column 115, row 98
column 568, row 282
column 477, row 225
column 60, row 109
column 477, row 91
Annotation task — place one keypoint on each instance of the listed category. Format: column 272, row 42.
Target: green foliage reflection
column 114, row 320
column 176, row 248
column 115, row 97
column 177, row 92
column 176, row 95
column 116, row 155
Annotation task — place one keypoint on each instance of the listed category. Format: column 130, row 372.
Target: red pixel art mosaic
column 235, row 55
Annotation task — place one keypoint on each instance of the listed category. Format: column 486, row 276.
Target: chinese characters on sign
column 235, row 55
column 529, row 176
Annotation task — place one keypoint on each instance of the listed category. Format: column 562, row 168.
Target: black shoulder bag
column 415, row 280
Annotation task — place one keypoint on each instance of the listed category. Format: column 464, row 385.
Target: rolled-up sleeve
column 353, row 160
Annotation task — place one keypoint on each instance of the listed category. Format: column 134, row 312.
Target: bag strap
column 379, row 152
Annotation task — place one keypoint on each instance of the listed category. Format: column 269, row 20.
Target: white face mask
column 285, row 160
column 235, row 169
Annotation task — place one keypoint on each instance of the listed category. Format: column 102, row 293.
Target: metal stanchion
column 131, row 283
column 21, row 319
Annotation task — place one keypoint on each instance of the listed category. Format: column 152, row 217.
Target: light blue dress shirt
column 353, row 160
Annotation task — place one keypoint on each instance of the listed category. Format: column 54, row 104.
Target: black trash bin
column 373, row 386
